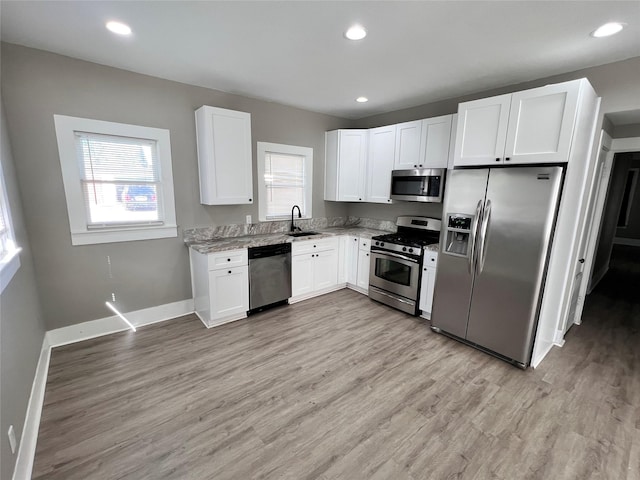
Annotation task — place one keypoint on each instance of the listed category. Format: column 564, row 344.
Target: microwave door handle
column 482, row 253
column 474, row 235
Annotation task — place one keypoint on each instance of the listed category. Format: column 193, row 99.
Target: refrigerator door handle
column 482, row 252
column 474, row 234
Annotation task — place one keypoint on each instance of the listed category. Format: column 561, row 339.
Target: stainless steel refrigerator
column 496, row 236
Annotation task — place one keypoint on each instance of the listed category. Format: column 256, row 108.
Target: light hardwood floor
column 340, row 387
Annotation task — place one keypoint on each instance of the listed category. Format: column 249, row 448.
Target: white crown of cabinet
column 224, row 156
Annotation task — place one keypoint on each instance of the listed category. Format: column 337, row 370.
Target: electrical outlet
column 248, row 220
column 12, row 438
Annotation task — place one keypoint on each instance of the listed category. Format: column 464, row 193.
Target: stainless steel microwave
column 418, row 184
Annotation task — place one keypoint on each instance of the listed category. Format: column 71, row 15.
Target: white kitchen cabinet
column 223, row 139
column 408, row 138
column 528, row 127
column 364, row 261
column 345, row 165
column 482, row 131
column 314, row 268
column 427, row 284
column 382, row 145
column 352, row 261
column 434, row 144
column 220, row 285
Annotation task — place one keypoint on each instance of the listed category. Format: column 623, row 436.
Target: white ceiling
column 294, row 52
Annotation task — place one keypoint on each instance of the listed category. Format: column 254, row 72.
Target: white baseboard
column 29, row 438
column 356, row 288
column 317, row 293
column 113, row 324
column 632, row 242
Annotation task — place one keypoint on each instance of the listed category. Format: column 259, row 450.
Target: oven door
column 395, row 273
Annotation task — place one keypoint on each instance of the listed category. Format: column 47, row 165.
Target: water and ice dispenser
column 458, row 236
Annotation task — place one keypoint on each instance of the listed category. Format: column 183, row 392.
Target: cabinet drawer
column 430, row 258
column 228, row 259
column 365, row 244
column 310, row 246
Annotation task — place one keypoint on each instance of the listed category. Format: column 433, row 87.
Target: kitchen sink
column 303, row 234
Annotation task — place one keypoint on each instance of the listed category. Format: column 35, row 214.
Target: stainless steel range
column 396, row 262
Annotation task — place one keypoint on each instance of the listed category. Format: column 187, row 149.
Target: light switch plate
column 12, row 438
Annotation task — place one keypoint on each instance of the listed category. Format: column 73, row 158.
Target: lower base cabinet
column 220, row 284
column 358, row 260
column 314, row 267
column 427, row 283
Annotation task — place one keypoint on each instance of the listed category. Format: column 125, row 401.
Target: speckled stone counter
column 248, row 241
column 232, row 237
column 434, row 247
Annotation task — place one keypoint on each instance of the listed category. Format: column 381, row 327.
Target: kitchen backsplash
column 202, row 234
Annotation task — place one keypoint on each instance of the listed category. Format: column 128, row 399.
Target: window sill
column 8, row 268
column 90, row 237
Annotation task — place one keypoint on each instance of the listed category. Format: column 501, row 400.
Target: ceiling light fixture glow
column 355, row 32
column 362, row 99
column 119, row 28
column 607, row 29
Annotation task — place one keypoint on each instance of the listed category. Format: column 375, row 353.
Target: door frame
column 592, row 233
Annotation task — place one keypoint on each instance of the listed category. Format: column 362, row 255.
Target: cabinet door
column 382, row 146
column 482, row 131
column 364, row 261
column 224, row 156
column 541, row 124
column 352, row 157
column 426, row 290
column 229, row 292
column 302, row 274
column 436, row 133
column 325, row 269
column 352, row 260
column 343, row 259
column 408, row 137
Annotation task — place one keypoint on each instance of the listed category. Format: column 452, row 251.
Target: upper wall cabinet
column 382, row 145
column 533, row 126
column 224, row 156
column 434, row 144
column 345, row 165
column 408, row 137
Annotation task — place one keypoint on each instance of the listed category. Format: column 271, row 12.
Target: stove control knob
column 377, row 243
column 411, row 250
column 382, row 244
column 404, row 249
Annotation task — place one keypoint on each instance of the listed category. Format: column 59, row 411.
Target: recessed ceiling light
column 119, row 28
column 607, row 29
column 362, row 99
column 355, row 32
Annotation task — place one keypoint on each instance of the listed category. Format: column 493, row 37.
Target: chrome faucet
column 293, row 227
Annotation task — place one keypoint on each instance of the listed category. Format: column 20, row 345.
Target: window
column 9, row 258
column 117, row 179
column 285, row 174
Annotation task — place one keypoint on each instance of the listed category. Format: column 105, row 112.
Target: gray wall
column 626, row 131
column 73, row 281
column 617, row 84
column 21, row 325
column 632, row 230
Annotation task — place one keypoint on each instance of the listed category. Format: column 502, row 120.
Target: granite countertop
column 248, row 241
column 434, row 247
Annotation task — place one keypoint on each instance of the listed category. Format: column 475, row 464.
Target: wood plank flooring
column 341, row 387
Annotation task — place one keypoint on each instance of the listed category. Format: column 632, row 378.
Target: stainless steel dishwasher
column 269, row 276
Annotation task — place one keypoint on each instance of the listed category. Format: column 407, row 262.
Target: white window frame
column 81, row 234
column 10, row 261
column 307, row 153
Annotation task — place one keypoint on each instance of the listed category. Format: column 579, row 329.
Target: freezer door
column 513, row 242
column 454, row 277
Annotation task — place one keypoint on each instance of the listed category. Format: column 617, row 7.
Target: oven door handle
column 396, row 255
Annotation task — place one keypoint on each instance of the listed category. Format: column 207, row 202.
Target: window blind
column 120, row 179
column 284, row 178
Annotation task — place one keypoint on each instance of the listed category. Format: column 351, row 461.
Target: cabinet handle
column 388, row 199
column 359, row 199
column 367, row 254
column 228, row 259
column 424, row 269
column 229, row 271
column 355, row 239
column 506, row 159
column 250, row 200
column 312, row 256
column 497, row 159
column 420, row 164
column 433, row 259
